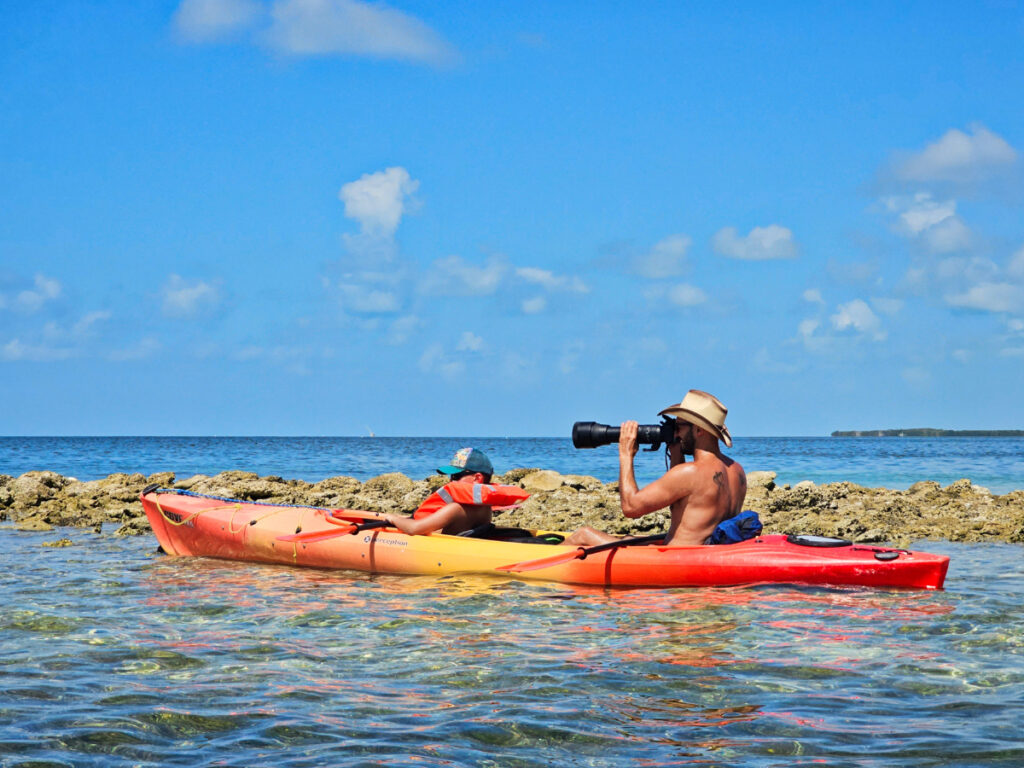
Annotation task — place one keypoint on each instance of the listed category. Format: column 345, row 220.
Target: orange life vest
column 475, row 494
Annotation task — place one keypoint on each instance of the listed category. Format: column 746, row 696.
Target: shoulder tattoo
column 720, row 479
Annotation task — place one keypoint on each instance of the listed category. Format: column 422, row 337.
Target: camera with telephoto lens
column 590, row 434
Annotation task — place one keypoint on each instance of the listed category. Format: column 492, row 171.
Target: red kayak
column 191, row 524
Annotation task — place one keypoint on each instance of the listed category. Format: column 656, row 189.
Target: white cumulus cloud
column 188, row 298
column 379, row 200
column 813, row 296
column 857, row 315
column 958, row 157
column 762, row 243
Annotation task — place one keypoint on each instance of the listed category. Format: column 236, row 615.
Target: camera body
column 590, row 434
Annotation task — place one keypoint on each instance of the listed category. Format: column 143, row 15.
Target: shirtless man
column 701, row 493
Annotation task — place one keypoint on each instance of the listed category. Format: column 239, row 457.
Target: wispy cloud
column 469, row 342
column 886, row 305
column 667, row 258
column 981, row 284
column 768, row 362
column 143, row 349
column 15, row 350
column 916, row 376
column 813, row 296
column 31, row 300
column 534, row 306
column 760, row 244
column 933, row 223
column 201, row 21
column 807, row 327
column 686, row 295
column 89, row 321
column 454, row 276
column 552, row 282
column 1015, row 266
column 857, row 315
column 298, row 360
column 402, row 329
column 188, row 298
column 351, row 28
column 989, row 297
column 435, row 360
column 365, row 299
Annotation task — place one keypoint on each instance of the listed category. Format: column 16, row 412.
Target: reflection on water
column 112, row 656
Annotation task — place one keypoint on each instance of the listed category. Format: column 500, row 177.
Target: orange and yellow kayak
column 189, row 524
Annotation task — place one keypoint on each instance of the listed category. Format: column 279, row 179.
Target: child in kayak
column 466, row 503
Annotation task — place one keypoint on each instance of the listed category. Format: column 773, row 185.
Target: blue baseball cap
column 468, row 460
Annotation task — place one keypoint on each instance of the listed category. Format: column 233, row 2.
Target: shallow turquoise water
column 111, row 655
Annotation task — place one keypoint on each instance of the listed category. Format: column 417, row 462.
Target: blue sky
column 454, row 218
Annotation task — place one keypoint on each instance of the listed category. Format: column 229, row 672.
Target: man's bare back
column 710, row 489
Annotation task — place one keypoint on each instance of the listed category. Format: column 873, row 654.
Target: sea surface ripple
column 113, row 655
column 890, row 462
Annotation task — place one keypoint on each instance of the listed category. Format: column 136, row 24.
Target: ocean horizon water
column 996, row 463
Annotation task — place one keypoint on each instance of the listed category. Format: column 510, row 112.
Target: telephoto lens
column 590, row 434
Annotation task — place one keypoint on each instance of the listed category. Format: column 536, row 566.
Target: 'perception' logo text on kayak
column 389, row 542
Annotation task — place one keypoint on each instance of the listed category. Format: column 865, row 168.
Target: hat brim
column 722, row 433
column 450, row 470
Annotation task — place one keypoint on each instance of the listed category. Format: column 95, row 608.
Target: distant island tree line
column 928, row 432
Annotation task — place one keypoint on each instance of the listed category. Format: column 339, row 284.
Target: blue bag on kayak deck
column 732, row 530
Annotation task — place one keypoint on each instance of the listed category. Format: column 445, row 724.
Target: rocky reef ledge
column 959, row 512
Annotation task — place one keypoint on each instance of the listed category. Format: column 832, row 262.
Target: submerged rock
column 959, row 512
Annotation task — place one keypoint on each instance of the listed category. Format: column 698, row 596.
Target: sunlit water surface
column 111, row 655
column 891, row 462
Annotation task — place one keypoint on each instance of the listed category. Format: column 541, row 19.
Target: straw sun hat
column 704, row 410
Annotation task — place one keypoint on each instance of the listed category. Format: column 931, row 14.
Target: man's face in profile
column 684, row 432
